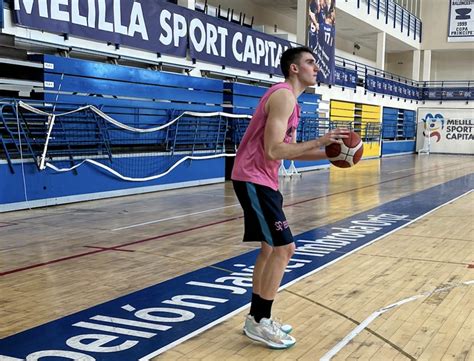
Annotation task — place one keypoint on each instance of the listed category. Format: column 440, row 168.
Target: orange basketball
column 348, row 154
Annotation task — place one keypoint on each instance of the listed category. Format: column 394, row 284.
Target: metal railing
column 394, row 14
column 351, row 74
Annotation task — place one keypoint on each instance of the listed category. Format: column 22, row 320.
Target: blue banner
column 391, row 87
column 238, row 45
column 156, row 26
column 451, row 93
column 345, row 77
column 321, row 38
column 1, row 14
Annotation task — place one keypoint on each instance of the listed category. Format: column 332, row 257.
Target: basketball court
column 164, row 276
column 122, row 123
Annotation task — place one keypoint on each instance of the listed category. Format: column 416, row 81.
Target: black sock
column 255, row 303
column 264, row 309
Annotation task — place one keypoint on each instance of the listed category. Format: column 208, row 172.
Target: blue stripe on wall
column 147, row 322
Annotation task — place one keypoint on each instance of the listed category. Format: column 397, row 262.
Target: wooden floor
column 59, row 260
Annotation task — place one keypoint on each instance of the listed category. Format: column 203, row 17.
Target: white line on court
column 286, row 285
column 175, row 217
column 328, row 356
column 401, row 170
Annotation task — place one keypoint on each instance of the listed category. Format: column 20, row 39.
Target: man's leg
column 275, row 269
column 270, row 279
column 269, row 270
column 262, row 258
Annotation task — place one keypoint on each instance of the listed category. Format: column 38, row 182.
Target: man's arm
column 314, row 154
column 279, row 107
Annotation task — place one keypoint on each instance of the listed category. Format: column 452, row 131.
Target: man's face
column 307, row 69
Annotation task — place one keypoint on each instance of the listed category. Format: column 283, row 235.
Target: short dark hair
column 292, row 56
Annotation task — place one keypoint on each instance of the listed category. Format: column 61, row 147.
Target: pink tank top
column 251, row 164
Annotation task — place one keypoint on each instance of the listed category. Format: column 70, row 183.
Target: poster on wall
column 445, row 130
column 321, row 37
column 461, row 20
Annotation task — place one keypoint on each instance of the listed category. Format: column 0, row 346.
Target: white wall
column 400, row 63
column 262, row 16
column 345, row 48
column 452, row 65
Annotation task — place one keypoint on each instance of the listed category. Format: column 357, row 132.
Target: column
column 426, row 65
column 415, row 74
column 301, row 22
column 381, row 42
column 190, row 4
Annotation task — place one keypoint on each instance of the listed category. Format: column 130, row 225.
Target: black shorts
column 263, row 214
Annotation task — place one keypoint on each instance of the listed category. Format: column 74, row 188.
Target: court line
column 112, row 248
column 355, row 250
column 287, row 205
column 374, row 315
column 198, row 227
column 376, row 334
column 50, row 262
column 400, row 170
column 339, row 346
column 174, row 217
column 415, row 259
column 290, row 283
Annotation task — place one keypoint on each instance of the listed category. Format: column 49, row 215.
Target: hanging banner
column 156, row 26
column 461, row 21
column 1, row 14
column 321, row 37
column 445, row 130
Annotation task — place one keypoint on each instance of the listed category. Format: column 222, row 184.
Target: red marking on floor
column 115, row 247
column 201, row 226
column 470, row 265
column 110, row 249
column 49, row 262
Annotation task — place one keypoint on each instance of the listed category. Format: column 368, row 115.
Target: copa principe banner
column 461, row 21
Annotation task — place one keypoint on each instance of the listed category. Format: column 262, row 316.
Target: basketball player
column 313, row 12
column 270, row 137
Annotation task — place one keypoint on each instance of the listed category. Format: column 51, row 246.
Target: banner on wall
column 445, row 130
column 345, row 77
column 156, row 26
column 321, row 37
column 461, row 20
column 391, row 87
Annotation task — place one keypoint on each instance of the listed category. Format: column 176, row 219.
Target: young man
column 270, row 137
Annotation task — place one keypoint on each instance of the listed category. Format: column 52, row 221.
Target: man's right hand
column 334, row 136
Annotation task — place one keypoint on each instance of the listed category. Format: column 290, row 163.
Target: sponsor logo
column 432, row 126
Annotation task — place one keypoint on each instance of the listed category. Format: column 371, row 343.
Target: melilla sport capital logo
column 432, row 125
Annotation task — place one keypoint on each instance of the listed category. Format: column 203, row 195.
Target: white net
column 66, row 139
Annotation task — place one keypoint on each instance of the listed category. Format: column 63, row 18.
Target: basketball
column 347, row 154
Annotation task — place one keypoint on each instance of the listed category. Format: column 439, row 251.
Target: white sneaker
column 267, row 332
column 282, row 326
